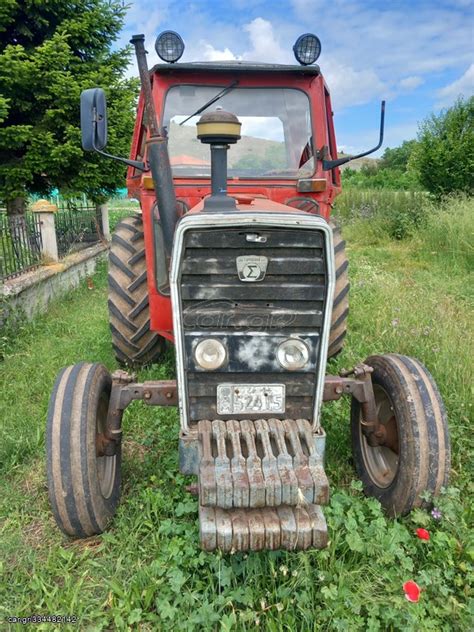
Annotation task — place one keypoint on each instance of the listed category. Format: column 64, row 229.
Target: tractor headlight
column 169, row 46
column 307, row 49
column 210, row 354
column 292, row 354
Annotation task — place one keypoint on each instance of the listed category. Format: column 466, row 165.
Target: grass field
column 147, row 572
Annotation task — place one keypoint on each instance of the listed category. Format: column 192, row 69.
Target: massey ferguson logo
column 251, row 268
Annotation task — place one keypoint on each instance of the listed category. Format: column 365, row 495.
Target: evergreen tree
column 49, row 52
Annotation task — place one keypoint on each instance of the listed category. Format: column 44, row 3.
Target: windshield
column 276, row 132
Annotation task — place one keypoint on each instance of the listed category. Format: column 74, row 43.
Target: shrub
column 444, row 154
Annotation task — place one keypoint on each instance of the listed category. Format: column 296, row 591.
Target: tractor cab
column 287, row 131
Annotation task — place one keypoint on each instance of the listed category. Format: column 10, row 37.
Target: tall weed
column 398, row 214
column 445, row 227
column 449, row 230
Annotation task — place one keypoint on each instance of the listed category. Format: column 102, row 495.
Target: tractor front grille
column 252, row 318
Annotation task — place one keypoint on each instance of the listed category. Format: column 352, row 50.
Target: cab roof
column 235, row 65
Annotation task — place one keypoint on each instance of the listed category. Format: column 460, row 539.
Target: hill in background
column 358, row 163
column 184, row 142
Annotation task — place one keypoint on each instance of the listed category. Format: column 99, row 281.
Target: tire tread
column 133, row 341
column 424, row 457
column 340, row 307
column 76, row 501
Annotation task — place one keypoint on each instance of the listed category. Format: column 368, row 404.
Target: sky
column 416, row 54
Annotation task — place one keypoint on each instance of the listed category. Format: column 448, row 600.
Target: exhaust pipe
column 157, row 152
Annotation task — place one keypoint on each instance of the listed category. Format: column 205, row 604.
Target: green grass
column 120, row 208
column 147, row 572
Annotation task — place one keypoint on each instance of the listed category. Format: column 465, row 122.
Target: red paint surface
column 251, row 194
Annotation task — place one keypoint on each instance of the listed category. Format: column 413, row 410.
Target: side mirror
column 93, row 119
column 94, row 126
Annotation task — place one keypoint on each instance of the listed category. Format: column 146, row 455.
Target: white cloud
column 213, row 54
column 261, row 44
column 352, row 87
column 410, row 83
column 265, row 44
column 464, row 86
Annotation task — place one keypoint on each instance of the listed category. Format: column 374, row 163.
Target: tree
column 397, row 158
column 444, row 154
column 49, row 52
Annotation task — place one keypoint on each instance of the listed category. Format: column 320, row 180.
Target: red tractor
column 233, row 259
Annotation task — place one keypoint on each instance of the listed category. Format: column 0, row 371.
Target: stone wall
column 31, row 293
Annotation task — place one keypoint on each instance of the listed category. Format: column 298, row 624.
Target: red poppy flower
column 423, row 534
column 412, row 591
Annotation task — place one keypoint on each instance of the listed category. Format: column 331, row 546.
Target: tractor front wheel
column 83, row 482
column 414, row 454
column 129, row 311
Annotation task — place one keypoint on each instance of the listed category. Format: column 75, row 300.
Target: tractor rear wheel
column 83, row 483
column 129, row 312
column 414, row 455
column 340, row 308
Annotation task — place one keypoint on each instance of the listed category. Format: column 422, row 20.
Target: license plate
column 246, row 399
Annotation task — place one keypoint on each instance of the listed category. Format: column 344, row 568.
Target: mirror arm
column 332, row 164
column 131, row 163
column 137, row 164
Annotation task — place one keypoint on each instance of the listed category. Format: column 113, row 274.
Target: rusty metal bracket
column 153, row 393
column 124, row 391
column 360, row 387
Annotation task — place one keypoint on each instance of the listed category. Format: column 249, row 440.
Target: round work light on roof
column 169, row 46
column 307, row 49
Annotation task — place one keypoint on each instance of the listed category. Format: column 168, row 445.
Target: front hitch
column 124, row 391
column 356, row 382
column 360, row 387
